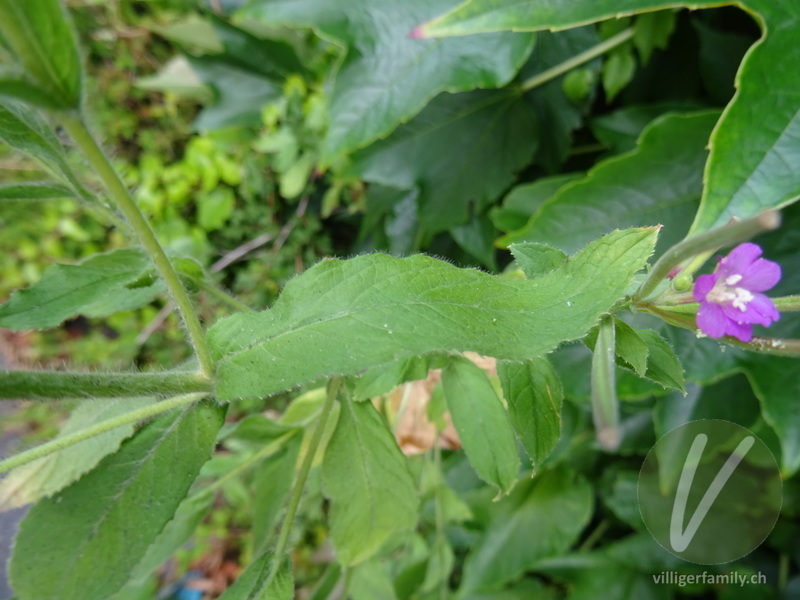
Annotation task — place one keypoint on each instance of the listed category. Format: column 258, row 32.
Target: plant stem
column 60, row 385
column 213, row 290
column 605, row 404
column 577, row 60
column 305, row 468
column 727, row 235
column 119, row 194
column 66, row 441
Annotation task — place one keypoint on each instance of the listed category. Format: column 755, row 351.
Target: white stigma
column 732, row 280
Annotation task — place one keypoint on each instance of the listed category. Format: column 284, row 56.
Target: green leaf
column 663, row 366
column 38, row 190
column 39, row 34
column 272, row 481
column 240, row 94
column 366, row 477
column 46, row 476
column 762, row 117
column 188, row 517
column 618, row 70
column 460, row 152
column 774, row 382
column 382, row 379
column 392, row 308
column 632, row 349
column 542, row 517
column 524, row 200
column 534, row 395
column 90, row 536
column 651, row 31
column 536, row 260
column 256, row 584
column 482, row 16
column 371, row 580
column 25, row 130
column 658, row 183
column 556, row 114
column 482, row 423
column 620, row 130
column 386, row 77
column 100, row 286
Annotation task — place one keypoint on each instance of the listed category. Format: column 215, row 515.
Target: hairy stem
column 66, row 441
column 213, row 290
column 119, row 194
column 305, row 468
column 577, row 60
column 61, row 385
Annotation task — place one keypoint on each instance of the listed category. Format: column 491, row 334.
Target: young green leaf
column 89, row 537
column 367, row 479
column 40, row 37
column 534, row 395
column 393, row 308
column 536, row 260
column 258, row 583
column 482, row 423
column 386, row 77
column 100, row 286
column 46, row 476
column 663, row 365
column 542, row 517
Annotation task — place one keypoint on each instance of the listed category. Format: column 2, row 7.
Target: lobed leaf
column 89, row 537
column 392, row 308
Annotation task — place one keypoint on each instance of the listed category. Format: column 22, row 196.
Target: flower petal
column 763, row 307
column 761, row 275
column 711, row 320
column 703, row 285
column 742, row 331
column 741, row 257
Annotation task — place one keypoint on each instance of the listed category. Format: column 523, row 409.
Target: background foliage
column 260, row 137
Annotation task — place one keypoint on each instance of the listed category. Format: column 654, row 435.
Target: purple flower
column 730, row 302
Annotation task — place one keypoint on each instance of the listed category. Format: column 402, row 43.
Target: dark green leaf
column 524, row 200
column 482, row 423
column 542, row 517
column 658, row 183
column 476, row 237
column 651, row 31
column 392, row 308
column 386, row 77
column 618, row 70
column 632, row 348
column 39, row 34
column 98, row 287
column 366, row 477
column 534, row 395
column 460, row 152
column 46, row 476
column 382, row 379
column 620, row 130
column 663, row 366
column 256, row 583
column 89, row 537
